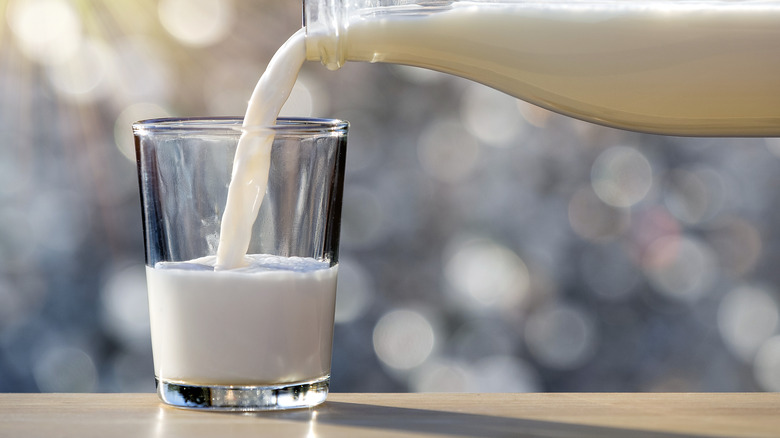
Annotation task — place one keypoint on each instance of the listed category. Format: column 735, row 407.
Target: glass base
column 243, row 398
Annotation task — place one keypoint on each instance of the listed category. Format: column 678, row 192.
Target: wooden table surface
column 402, row 415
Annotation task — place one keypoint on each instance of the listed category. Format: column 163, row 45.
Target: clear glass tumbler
column 257, row 337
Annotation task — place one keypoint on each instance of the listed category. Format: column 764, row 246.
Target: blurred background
column 487, row 245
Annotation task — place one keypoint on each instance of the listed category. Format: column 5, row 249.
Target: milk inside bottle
column 681, row 67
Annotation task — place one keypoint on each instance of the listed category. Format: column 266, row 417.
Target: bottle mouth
column 325, row 27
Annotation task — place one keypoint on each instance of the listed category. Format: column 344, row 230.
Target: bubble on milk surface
column 253, row 263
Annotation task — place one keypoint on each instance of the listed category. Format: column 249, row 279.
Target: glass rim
column 292, row 125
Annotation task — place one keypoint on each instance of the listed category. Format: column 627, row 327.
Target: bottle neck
column 325, row 22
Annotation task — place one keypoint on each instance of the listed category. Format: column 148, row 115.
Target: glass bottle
column 678, row 67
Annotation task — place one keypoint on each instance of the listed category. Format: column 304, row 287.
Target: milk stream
column 253, row 154
column 245, row 319
column 672, row 67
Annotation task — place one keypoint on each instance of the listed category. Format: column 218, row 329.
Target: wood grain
column 402, row 415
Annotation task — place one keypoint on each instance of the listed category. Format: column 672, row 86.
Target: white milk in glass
column 268, row 323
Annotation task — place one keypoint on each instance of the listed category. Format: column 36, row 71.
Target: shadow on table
column 450, row 423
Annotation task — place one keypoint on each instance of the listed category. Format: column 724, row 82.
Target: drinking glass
column 258, row 337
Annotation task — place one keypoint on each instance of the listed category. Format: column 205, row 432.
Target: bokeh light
column 505, row 373
column 693, row 196
column 681, row 268
column 767, row 365
column 486, row 275
column 443, row 376
column 87, row 75
column 621, row 176
column 747, row 317
column 561, row 336
column 65, row 369
column 403, row 339
column 301, row 100
column 125, row 309
column 197, row 23
column 533, row 114
column 594, row 220
column 491, row 116
column 46, row 31
column 356, row 291
column 134, row 113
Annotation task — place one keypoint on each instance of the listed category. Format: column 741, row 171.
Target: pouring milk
column 670, row 67
column 673, row 67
